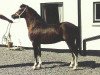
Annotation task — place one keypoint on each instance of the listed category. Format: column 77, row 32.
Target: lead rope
column 7, row 38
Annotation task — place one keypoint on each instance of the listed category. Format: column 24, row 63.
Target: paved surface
column 55, row 62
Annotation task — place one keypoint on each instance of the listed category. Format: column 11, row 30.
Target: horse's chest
column 33, row 34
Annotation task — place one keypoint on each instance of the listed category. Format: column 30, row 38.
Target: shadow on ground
column 89, row 64
column 51, row 64
column 93, row 52
column 16, row 65
column 56, row 50
column 87, row 52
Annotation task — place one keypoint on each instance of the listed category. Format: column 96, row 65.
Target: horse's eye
column 22, row 8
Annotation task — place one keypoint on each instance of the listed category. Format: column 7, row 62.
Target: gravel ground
column 55, row 62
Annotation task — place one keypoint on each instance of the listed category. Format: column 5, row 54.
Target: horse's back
column 68, row 25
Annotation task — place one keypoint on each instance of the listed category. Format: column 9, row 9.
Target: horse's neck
column 29, row 22
column 34, row 21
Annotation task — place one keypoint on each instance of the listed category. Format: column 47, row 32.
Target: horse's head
column 21, row 12
column 30, row 15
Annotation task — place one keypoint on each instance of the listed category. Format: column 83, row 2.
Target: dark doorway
column 51, row 12
column 52, row 15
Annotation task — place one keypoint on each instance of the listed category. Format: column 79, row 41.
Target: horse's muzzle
column 14, row 17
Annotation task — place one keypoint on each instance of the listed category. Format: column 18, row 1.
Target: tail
column 78, row 41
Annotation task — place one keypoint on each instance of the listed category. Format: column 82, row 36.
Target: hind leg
column 74, row 52
column 72, row 61
column 75, row 61
column 39, row 57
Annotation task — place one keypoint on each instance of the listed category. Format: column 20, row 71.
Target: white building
column 68, row 11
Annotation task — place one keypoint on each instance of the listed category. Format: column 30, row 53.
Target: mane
column 38, row 19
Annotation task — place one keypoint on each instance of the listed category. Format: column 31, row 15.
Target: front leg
column 39, row 63
column 37, row 55
column 35, row 63
column 35, row 47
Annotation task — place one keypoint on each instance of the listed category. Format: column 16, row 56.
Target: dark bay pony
column 42, row 33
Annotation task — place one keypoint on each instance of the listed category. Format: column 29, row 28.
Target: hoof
column 36, row 67
column 75, row 67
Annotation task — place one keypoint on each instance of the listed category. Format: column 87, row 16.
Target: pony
column 41, row 33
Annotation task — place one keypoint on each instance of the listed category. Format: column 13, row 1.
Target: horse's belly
column 50, row 39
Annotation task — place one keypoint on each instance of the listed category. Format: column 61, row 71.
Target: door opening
column 52, row 13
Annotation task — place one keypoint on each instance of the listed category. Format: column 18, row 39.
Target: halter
column 21, row 12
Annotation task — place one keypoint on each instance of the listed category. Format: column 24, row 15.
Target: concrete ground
column 55, row 62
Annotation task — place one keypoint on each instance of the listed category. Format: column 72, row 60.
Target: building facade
column 65, row 10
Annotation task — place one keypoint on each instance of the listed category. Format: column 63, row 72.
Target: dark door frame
column 79, row 22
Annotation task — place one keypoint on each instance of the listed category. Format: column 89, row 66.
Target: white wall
column 88, row 30
column 19, row 29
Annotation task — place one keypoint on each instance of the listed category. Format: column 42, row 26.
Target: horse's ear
column 23, row 5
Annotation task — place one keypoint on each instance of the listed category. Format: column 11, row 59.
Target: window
column 96, row 11
column 52, row 13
